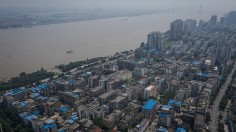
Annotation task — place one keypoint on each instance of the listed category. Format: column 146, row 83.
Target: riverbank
column 45, row 46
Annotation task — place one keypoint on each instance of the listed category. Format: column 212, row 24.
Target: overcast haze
column 207, row 5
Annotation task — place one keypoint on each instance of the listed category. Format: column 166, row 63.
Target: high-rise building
column 231, row 17
column 190, row 25
column 155, row 40
column 201, row 23
column 223, row 51
column 176, row 29
column 213, row 20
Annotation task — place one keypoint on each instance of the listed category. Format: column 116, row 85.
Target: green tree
column 221, row 127
column 208, row 117
column 98, row 122
column 220, row 116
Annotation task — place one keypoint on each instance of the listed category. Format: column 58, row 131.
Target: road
column 215, row 107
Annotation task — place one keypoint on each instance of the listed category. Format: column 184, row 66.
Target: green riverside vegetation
column 26, row 79
column 73, row 65
column 89, row 62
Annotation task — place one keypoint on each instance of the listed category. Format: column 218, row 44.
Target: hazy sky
column 210, row 5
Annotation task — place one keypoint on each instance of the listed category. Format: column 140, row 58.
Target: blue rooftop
column 39, row 88
column 204, row 75
column 22, row 104
column 15, row 91
column 196, row 62
column 70, row 121
column 44, row 98
column 36, row 113
column 150, row 104
column 151, row 50
column 58, row 82
column 30, row 117
column 166, row 106
column 74, row 118
column 143, row 59
column 181, row 130
column 174, row 102
column 51, row 99
column 63, row 109
column 220, row 77
column 33, row 90
column 71, row 81
column 24, row 115
column 163, row 115
column 135, row 62
column 158, row 51
column 48, row 126
column 36, row 95
column 162, row 130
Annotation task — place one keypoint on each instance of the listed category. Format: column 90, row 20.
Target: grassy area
column 169, row 43
column 25, row 79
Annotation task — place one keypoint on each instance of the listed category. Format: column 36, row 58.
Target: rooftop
column 163, row 115
column 64, row 109
column 204, row 75
column 181, row 130
column 48, row 126
column 175, row 102
column 105, row 95
column 150, row 88
column 150, row 104
column 166, row 107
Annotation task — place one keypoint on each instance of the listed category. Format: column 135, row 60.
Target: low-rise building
column 149, row 109
column 118, row 103
column 95, row 92
column 106, row 97
column 68, row 97
column 93, row 81
column 110, row 120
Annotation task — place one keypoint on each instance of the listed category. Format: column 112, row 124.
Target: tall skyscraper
column 176, row 29
column 190, row 25
column 155, row 40
column 213, row 20
column 231, row 17
column 223, row 51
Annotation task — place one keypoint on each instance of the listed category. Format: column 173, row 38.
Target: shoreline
column 79, row 53
column 56, row 69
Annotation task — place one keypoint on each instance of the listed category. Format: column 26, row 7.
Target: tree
column 208, row 117
column 152, row 97
column 220, row 116
column 22, row 74
column 98, row 121
column 141, row 99
column 220, row 127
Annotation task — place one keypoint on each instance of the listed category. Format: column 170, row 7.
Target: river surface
column 30, row 49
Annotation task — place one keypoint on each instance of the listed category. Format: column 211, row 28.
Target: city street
column 214, row 112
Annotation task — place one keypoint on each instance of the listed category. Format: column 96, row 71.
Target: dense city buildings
column 167, row 84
